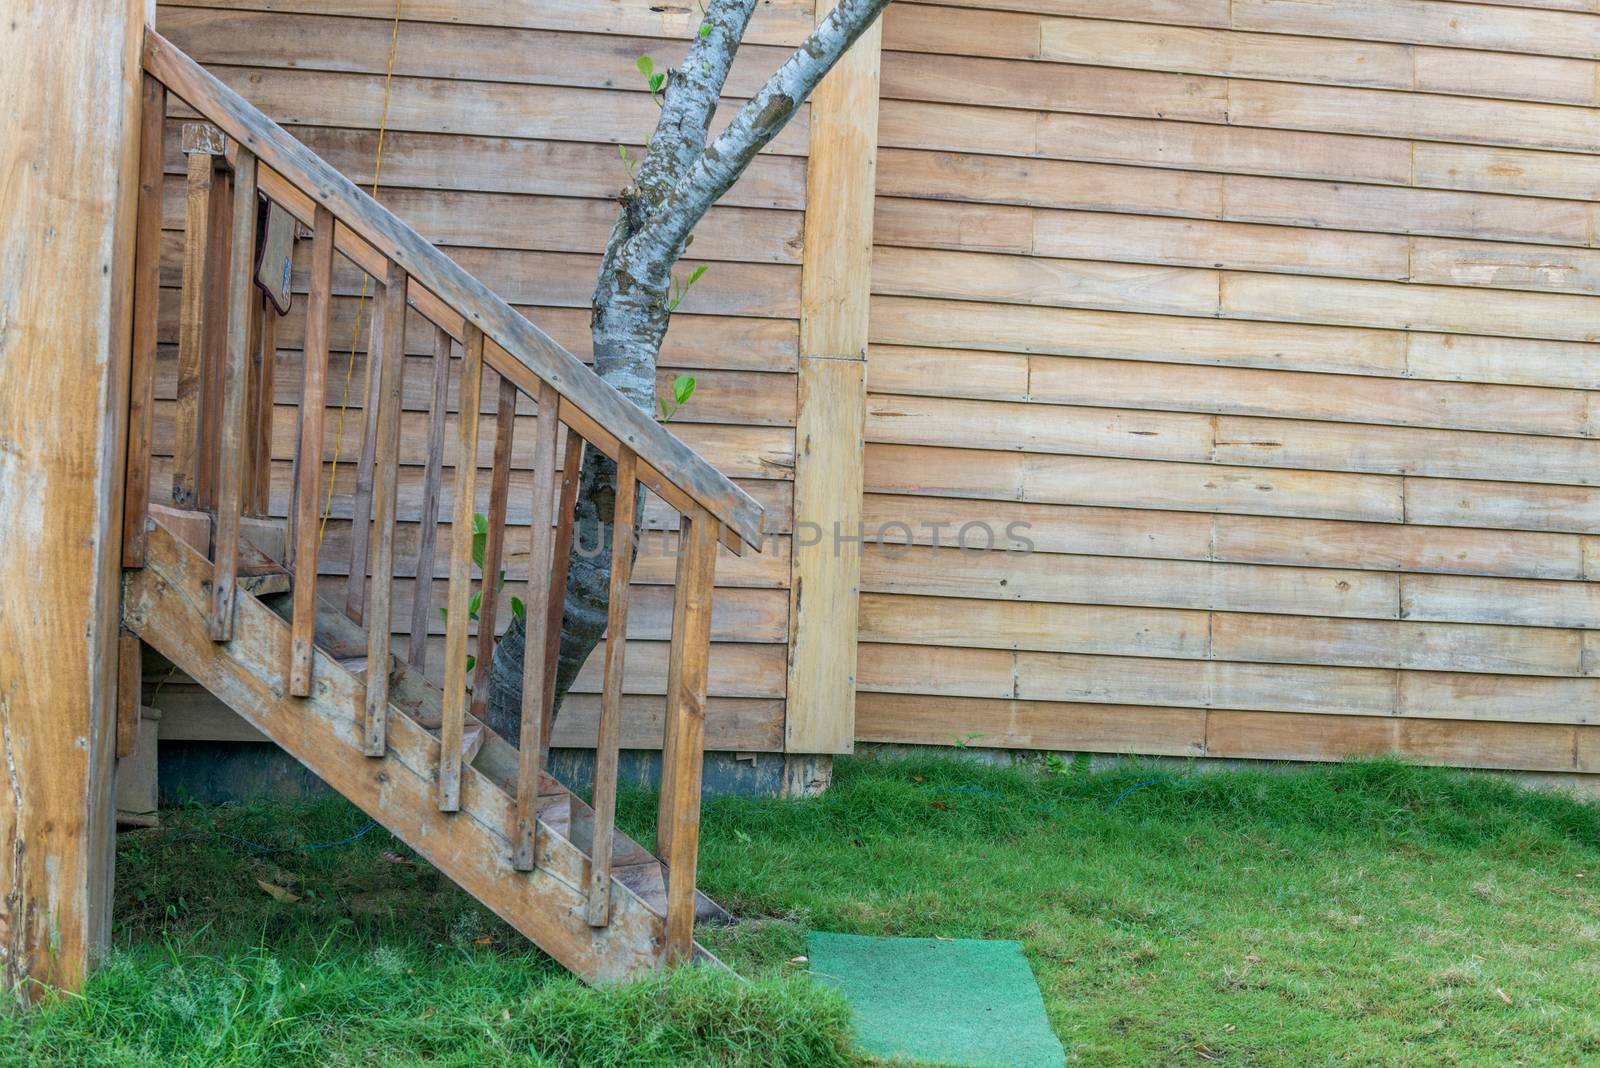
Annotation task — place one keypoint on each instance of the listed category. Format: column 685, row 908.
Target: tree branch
column 756, row 124
column 692, row 92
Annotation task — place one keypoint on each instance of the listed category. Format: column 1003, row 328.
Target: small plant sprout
column 627, row 161
column 680, row 287
column 480, row 542
column 653, row 78
column 682, row 390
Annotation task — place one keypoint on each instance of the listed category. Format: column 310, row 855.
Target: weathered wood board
column 1232, row 377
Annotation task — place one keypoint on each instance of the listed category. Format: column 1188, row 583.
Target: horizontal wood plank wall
column 1253, row 346
column 502, row 148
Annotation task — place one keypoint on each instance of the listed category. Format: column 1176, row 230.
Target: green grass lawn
column 1370, row 914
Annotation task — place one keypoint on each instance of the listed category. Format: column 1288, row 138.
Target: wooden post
column 219, row 243
column 307, row 507
column 494, row 542
column 541, row 549
column 459, row 593
column 825, row 566
column 687, row 674
column 235, row 370
column 355, row 599
column 146, row 316
column 203, row 146
column 598, row 910
column 261, row 447
column 389, row 336
column 422, row 600
column 71, row 86
column 572, row 447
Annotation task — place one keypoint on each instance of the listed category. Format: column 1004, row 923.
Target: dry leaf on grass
column 278, row 893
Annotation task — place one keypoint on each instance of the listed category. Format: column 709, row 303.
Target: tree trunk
column 679, row 179
column 627, row 325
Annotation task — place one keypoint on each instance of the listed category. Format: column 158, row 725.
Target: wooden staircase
column 249, row 625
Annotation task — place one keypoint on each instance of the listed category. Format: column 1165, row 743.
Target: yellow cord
column 350, row 362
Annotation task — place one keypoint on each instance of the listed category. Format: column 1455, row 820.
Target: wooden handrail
column 605, row 418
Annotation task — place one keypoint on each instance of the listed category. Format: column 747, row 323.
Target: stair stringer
column 166, row 602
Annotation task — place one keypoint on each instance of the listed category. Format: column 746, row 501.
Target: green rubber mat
column 958, row 1002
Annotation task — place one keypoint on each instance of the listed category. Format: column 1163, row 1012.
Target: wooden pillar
column 71, row 83
column 825, row 570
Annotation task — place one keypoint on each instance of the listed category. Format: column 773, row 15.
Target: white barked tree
column 682, row 173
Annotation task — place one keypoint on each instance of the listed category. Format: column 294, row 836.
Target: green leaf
column 480, row 537
column 705, row 29
column 518, row 609
column 683, row 388
column 664, row 413
column 655, row 82
column 474, row 604
column 694, row 275
column 646, row 65
column 472, row 661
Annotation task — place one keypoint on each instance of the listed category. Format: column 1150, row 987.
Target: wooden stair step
column 264, row 584
column 356, row 665
column 344, row 649
column 648, row 883
column 472, row 736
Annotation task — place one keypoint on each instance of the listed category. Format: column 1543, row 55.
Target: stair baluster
column 355, row 600
column 385, row 399
column 548, row 434
column 572, row 448
column 307, row 505
column 260, row 489
column 609, row 734
column 505, row 423
column 234, row 378
column 422, row 603
column 459, row 595
column 684, row 746
column 146, row 321
column 202, row 146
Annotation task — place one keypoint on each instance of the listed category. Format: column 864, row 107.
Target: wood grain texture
column 389, row 324
column 308, row 476
column 831, row 395
column 550, row 441
column 609, row 730
column 1233, row 380
column 494, row 543
column 235, row 371
column 68, row 207
column 683, row 753
column 433, row 469
column 191, row 339
column 146, row 314
column 455, row 648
